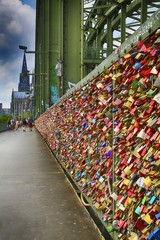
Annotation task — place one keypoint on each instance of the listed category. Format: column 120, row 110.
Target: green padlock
column 110, row 229
column 134, row 84
column 132, row 92
column 127, row 120
column 144, row 200
column 150, row 94
column 141, row 189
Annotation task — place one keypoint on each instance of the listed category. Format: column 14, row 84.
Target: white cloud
column 17, row 20
column 14, row 27
column 17, row 27
column 10, row 85
column 3, row 42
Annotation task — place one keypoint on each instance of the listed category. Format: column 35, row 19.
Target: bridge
column 97, row 108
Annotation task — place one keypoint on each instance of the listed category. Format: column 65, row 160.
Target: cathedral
column 22, row 100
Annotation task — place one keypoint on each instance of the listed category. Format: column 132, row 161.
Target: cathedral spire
column 24, row 84
column 24, row 65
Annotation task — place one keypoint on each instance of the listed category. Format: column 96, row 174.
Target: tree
column 4, row 118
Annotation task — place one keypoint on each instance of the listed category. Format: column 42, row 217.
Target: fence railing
column 105, row 132
column 3, row 126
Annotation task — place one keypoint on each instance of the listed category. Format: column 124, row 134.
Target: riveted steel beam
column 123, row 22
column 147, row 28
column 143, row 11
column 71, row 43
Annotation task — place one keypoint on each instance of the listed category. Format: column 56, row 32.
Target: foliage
column 4, row 118
column 25, row 115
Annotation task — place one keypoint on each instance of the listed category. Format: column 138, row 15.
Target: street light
column 35, row 52
column 58, row 73
column 23, row 47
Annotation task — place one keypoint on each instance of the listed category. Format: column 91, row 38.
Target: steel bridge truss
column 108, row 23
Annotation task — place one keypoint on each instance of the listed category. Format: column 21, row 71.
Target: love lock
column 115, row 224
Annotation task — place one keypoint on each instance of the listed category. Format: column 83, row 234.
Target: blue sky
column 17, row 27
column 31, row 3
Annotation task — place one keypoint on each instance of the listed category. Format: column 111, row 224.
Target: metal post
column 82, row 38
column 72, row 22
column 109, row 36
column 123, row 22
column 143, row 11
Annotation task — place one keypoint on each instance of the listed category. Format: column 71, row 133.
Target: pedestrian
column 24, row 125
column 30, row 123
column 12, row 124
column 21, row 123
column 9, row 124
column 17, row 123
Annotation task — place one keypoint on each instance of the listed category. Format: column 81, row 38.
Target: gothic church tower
column 24, row 85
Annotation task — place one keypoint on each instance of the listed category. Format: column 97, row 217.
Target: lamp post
column 41, row 93
column 23, row 47
column 45, row 93
column 35, row 52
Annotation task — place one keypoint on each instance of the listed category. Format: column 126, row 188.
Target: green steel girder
column 93, row 13
column 109, row 37
column 143, row 11
column 125, row 15
column 90, row 19
column 102, row 6
column 130, row 28
column 56, row 34
column 72, row 62
column 155, row 5
column 123, row 22
column 147, row 28
column 46, row 90
column 93, row 61
column 129, row 10
column 116, row 22
column 135, row 18
column 37, row 86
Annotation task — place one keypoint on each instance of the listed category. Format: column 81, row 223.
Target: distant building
column 4, row 111
column 22, row 100
column 21, row 103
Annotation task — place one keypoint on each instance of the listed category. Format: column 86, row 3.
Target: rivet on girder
column 140, row 38
column 150, row 30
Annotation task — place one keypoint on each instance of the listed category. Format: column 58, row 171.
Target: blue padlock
column 153, row 199
column 133, row 55
column 137, row 65
column 151, row 237
column 156, row 234
column 158, row 216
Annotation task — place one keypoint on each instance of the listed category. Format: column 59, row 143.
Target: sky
column 17, row 27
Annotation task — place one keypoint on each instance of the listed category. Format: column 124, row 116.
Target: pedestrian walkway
column 36, row 200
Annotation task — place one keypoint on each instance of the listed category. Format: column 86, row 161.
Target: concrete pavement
column 36, row 200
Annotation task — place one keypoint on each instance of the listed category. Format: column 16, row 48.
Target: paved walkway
column 36, row 200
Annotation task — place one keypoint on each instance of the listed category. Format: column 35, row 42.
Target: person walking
column 30, row 122
column 9, row 124
column 24, row 125
column 17, row 123
column 12, row 124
